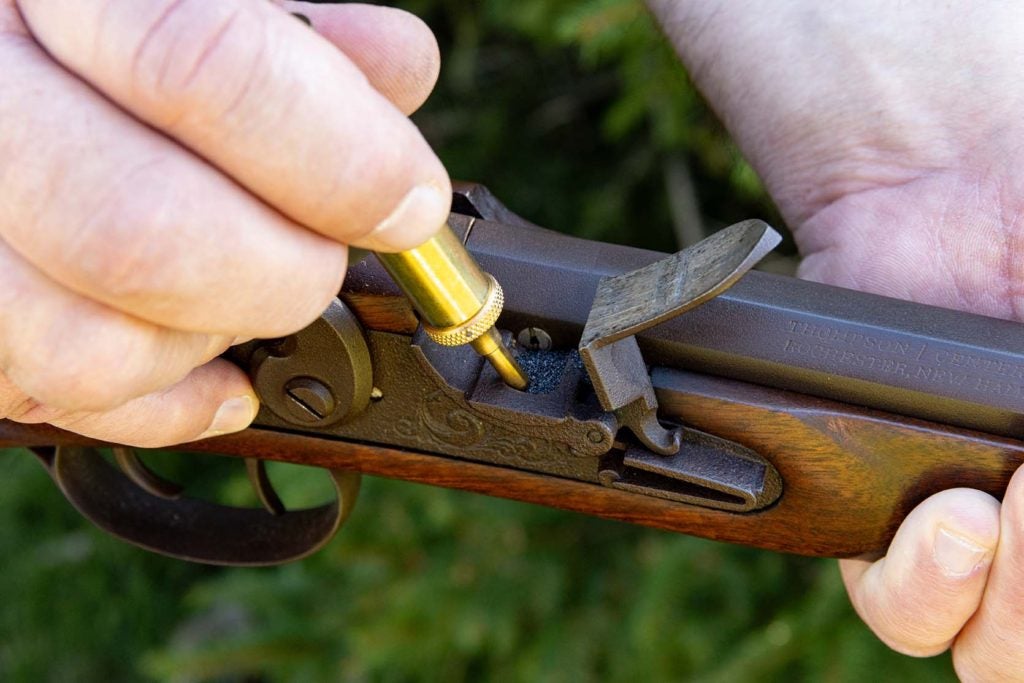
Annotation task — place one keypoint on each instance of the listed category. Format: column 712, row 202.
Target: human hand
column 890, row 136
column 176, row 175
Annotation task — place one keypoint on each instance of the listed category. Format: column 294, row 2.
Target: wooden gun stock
column 851, row 475
column 851, row 428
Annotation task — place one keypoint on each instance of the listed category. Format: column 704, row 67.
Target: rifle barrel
column 921, row 361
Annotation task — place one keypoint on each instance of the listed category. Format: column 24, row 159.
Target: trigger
column 146, row 479
column 187, row 528
column 257, row 471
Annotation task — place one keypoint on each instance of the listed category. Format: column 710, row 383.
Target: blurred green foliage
column 571, row 111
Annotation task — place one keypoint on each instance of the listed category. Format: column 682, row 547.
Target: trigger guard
column 191, row 529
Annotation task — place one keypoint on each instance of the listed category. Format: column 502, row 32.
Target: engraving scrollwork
column 519, row 447
column 449, row 423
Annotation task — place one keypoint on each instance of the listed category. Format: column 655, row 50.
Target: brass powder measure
column 458, row 302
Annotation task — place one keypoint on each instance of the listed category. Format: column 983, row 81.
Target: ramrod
column 679, row 392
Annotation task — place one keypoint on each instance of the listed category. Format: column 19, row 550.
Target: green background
column 577, row 115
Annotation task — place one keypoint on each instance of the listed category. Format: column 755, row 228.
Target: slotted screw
column 310, row 399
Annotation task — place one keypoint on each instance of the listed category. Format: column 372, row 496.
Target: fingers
column 394, row 49
column 213, row 399
column 920, row 595
column 113, row 290
column 991, row 648
column 73, row 354
column 124, row 216
column 266, row 100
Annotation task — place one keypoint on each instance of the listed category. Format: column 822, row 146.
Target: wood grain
column 850, row 475
column 382, row 313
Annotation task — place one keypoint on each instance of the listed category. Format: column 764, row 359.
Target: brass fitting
column 458, row 302
column 467, row 331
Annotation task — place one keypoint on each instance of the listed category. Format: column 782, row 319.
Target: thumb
column 394, row 49
column 919, row 596
column 213, row 399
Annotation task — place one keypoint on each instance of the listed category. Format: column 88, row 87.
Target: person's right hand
column 178, row 174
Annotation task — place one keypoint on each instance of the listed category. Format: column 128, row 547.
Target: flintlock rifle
column 680, row 392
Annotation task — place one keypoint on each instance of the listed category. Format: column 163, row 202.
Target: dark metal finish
column 707, row 471
column 627, row 304
column 444, row 400
column 317, row 377
column 193, row 529
column 921, row 361
column 256, row 469
column 476, row 201
column 447, row 400
column 146, row 479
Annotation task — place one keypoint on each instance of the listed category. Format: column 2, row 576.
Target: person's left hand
column 890, row 136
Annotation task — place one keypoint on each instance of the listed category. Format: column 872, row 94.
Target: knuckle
column 126, row 252
column 125, row 272
column 24, row 410
column 109, row 366
column 55, row 374
column 285, row 311
column 16, row 405
column 200, row 53
column 320, row 296
column 292, row 316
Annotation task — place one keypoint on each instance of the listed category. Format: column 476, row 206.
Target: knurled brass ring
column 483, row 320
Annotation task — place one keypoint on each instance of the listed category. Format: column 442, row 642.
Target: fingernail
column 234, row 415
column 414, row 220
column 956, row 555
